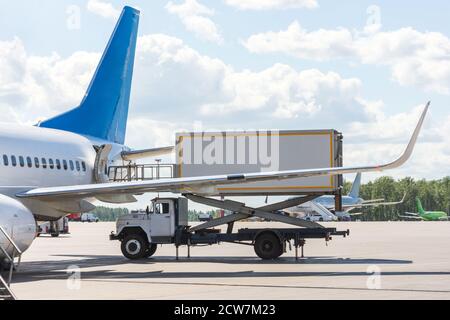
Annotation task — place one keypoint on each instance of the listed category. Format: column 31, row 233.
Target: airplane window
column 51, row 165
column 29, row 162
column 58, row 164
column 13, row 161
column 77, row 163
column 83, row 165
column 44, row 163
column 5, row 160
column 36, row 162
column 65, row 164
column 71, row 165
column 21, row 161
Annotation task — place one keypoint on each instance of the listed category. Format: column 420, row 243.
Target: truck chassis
column 138, row 239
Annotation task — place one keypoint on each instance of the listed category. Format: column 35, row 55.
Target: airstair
column 10, row 260
column 326, row 214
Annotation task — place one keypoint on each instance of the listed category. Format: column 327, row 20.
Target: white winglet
column 409, row 149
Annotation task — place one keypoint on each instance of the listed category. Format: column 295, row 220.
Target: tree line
column 434, row 195
column 111, row 214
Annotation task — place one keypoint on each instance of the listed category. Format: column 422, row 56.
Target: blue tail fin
column 103, row 112
column 354, row 192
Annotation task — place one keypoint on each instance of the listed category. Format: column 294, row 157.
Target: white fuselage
column 56, row 156
column 32, row 157
column 329, row 202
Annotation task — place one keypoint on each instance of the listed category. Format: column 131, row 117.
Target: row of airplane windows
column 38, row 163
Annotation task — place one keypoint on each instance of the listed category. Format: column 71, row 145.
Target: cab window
column 157, row 208
column 165, row 208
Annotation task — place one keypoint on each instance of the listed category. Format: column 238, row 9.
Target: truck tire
column 134, row 246
column 268, row 246
column 151, row 250
column 55, row 235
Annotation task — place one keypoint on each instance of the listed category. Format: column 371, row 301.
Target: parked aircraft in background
column 425, row 215
column 325, row 205
column 60, row 166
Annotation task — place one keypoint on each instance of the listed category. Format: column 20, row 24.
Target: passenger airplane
column 349, row 202
column 59, row 166
column 425, row 215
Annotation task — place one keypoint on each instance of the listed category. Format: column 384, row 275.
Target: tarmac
column 379, row 260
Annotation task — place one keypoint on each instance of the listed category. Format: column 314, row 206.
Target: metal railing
column 12, row 257
column 4, row 286
column 140, row 172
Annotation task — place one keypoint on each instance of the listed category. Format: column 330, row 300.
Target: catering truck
column 217, row 153
column 166, row 222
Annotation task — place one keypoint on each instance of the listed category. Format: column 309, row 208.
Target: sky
column 365, row 68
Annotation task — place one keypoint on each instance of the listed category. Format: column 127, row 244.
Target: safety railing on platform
column 140, row 172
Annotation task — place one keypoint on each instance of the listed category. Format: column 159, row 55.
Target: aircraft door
column 101, row 163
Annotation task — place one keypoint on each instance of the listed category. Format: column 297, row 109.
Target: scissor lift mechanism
column 202, row 233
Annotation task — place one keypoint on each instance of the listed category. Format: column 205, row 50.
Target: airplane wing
column 146, row 153
column 356, row 214
column 412, row 216
column 373, row 201
column 375, row 204
column 208, row 184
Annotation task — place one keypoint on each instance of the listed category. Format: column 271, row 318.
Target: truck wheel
column 151, row 250
column 134, row 246
column 268, row 246
column 55, row 235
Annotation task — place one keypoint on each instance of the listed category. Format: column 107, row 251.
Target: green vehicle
column 425, row 215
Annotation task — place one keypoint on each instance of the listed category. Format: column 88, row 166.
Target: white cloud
column 271, row 4
column 32, row 87
column 103, row 9
column 208, row 87
column 195, row 18
column 175, row 85
column 416, row 58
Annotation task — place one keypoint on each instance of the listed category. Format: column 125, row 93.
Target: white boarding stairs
column 5, row 285
column 326, row 214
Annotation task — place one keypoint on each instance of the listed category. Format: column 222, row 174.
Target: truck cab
column 141, row 232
